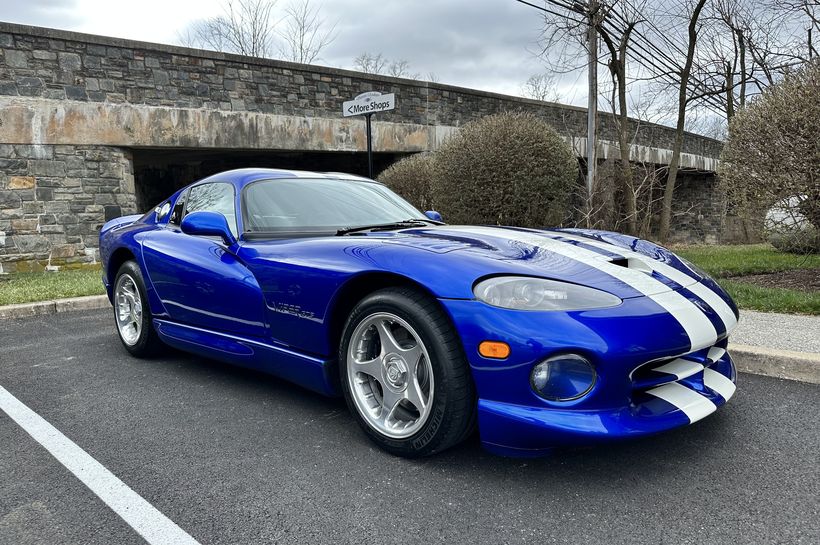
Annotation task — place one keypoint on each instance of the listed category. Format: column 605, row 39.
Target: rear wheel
column 131, row 312
column 404, row 374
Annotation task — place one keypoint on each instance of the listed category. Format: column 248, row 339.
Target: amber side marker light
column 494, row 349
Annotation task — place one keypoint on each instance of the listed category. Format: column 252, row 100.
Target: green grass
column 749, row 296
column 725, row 262
column 43, row 286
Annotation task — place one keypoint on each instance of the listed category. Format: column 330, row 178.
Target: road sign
column 362, row 96
column 369, row 103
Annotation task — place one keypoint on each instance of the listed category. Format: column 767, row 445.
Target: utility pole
column 591, row 9
column 592, row 100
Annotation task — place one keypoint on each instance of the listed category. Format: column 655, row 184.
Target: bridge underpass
column 158, row 172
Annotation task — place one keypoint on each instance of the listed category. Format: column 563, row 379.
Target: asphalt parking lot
column 232, row 456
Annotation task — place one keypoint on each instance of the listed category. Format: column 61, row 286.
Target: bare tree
column 245, row 27
column 807, row 12
column 540, row 87
column 305, row 32
column 401, row 69
column 617, row 41
column 370, row 63
column 683, row 99
column 376, row 63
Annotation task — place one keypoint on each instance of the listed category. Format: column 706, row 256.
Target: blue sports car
column 540, row 338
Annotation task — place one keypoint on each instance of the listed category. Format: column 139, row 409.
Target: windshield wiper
column 386, row 226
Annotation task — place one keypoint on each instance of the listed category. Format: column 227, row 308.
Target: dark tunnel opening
column 159, row 172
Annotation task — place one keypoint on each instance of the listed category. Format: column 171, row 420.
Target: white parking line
column 143, row 517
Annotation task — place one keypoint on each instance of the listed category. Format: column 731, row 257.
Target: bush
column 412, row 178
column 802, row 241
column 772, row 157
column 788, row 229
column 510, row 169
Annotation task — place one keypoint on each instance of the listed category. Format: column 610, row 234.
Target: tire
column 137, row 335
column 422, row 364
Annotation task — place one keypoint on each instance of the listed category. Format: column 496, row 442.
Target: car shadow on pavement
column 668, row 453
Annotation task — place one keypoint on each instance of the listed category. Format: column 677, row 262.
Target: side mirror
column 433, row 215
column 209, row 224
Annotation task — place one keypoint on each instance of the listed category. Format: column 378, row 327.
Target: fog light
column 563, row 378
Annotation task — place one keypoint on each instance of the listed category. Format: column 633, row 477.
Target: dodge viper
column 540, row 338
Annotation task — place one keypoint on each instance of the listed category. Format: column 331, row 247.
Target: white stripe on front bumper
column 715, row 353
column 719, row 383
column 693, row 405
column 681, row 368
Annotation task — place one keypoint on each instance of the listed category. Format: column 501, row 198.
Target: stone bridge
column 94, row 127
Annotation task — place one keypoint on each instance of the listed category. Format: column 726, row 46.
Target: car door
column 199, row 280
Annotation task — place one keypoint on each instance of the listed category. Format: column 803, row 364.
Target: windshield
column 311, row 204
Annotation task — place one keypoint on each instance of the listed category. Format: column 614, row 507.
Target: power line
column 666, row 72
column 714, row 101
column 544, row 9
column 661, row 63
column 669, row 68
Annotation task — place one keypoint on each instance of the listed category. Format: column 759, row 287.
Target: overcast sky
column 481, row 44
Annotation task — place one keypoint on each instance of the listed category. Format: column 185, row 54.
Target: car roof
column 243, row 176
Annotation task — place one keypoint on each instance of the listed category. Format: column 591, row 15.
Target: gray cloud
column 50, row 13
column 464, row 42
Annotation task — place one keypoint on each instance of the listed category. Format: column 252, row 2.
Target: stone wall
column 698, row 209
column 53, row 200
column 59, row 65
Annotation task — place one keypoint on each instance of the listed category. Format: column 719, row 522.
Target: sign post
column 369, row 146
column 367, row 104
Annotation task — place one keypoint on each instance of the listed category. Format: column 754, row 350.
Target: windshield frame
column 297, row 232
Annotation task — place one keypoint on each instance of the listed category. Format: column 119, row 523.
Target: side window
column 179, row 207
column 216, row 197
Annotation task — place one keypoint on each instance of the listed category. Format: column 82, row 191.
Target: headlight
column 563, row 378
column 526, row 293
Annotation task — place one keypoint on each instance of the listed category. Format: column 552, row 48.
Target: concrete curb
column 41, row 308
column 759, row 360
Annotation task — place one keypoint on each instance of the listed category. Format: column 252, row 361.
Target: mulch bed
column 797, row 279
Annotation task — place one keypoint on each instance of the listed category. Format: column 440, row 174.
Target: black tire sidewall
column 437, row 334
column 147, row 343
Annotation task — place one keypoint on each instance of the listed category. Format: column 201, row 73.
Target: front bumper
column 516, row 430
column 649, row 377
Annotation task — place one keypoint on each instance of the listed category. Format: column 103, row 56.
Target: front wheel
column 404, row 374
column 131, row 312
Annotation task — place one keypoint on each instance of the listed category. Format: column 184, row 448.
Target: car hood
column 622, row 265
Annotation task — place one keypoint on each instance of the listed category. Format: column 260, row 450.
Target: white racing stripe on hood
column 711, row 298
column 697, row 326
